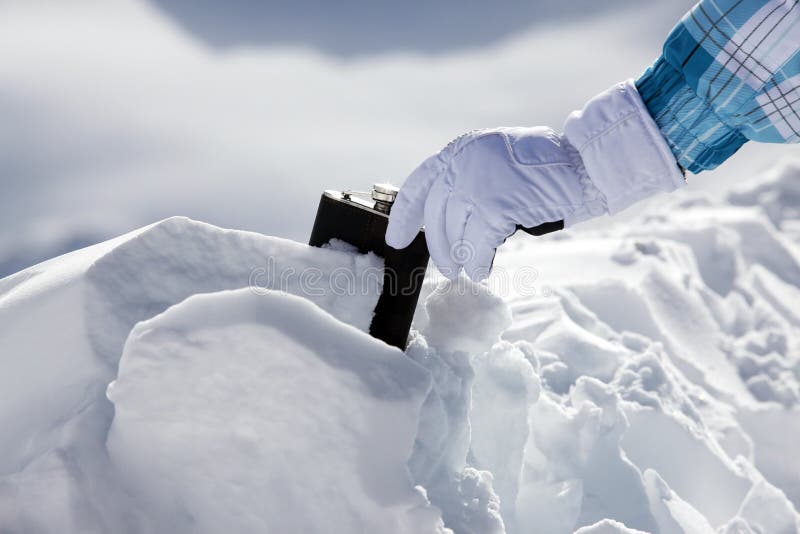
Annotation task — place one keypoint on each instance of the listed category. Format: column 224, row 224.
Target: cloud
column 351, row 28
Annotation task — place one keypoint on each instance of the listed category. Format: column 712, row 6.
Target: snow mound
column 63, row 324
column 261, row 413
column 640, row 378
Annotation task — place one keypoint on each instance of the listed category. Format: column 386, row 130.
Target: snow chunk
column 776, row 432
column 583, row 352
column 768, row 510
column 443, row 435
column 178, row 257
column 673, row 515
column 574, row 471
column 780, row 295
column 777, row 192
column 474, row 507
column 504, row 389
column 666, row 444
column 465, row 316
column 241, row 412
column 608, row 526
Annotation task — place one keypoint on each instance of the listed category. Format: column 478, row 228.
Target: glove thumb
column 408, row 210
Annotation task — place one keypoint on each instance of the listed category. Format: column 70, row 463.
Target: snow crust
column 185, row 378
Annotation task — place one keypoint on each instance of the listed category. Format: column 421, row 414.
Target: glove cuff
column 623, row 152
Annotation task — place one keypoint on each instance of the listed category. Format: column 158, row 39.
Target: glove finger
column 435, row 232
column 406, row 217
column 456, row 215
column 481, row 244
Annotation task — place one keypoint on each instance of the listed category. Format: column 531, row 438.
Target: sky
column 118, row 113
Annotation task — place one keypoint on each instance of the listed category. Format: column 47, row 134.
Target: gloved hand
column 473, row 194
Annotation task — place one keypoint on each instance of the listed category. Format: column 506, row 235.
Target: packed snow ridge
column 185, row 378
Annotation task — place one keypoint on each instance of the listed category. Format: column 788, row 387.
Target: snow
column 644, row 377
column 277, row 404
column 607, row 526
column 64, row 325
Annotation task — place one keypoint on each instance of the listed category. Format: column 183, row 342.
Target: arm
column 729, row 73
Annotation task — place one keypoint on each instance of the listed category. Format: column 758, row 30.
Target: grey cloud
column 366, row 27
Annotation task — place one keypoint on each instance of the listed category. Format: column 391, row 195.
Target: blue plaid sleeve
column 729, row 73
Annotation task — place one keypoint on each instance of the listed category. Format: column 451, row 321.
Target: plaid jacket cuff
column 699, row 139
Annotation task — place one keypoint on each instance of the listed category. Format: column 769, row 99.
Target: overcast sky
column 116, row 113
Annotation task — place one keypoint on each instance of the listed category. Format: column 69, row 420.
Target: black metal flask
column 360, row 219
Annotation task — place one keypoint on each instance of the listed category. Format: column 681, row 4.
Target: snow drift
column 642, row 378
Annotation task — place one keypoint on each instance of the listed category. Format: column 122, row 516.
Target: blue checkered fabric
column 729, row 73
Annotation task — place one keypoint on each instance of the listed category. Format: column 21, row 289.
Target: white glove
column 472, row 195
